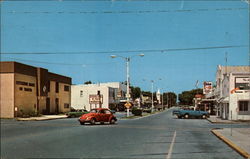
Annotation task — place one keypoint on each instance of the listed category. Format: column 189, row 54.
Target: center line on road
column 171, row 146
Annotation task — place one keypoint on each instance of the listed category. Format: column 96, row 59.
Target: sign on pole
column 127, row 105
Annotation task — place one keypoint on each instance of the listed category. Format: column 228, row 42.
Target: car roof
column 101, row 108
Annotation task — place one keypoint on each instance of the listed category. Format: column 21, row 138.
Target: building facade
column 28, row 90
column 232, row 92
column 102, row 95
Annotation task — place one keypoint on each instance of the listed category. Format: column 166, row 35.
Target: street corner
column 217, row 120
column 233, row 142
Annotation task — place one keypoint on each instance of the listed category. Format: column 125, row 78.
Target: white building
column 233, row 92
column 102, row 95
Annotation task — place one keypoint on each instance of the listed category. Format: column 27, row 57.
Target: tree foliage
column 135, row 92
column 186, row 97
column 169, row 98
column 88, row 82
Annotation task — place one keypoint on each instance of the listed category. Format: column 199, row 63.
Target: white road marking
column 171, row 147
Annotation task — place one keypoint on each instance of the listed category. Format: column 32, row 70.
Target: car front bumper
column 84, row 121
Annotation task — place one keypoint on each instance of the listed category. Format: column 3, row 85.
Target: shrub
column 136, row 111
column 147, row 110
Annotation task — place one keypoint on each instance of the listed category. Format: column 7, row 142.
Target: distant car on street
column 76, row 113
column 101, row 115
column 181, row 113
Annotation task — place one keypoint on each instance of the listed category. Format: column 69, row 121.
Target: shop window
column 243, row 105
column 66, row 88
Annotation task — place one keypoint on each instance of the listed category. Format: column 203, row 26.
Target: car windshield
column 93, row 111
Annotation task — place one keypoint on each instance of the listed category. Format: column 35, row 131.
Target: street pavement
column 157, row 136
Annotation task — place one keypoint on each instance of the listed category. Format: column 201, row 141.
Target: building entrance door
column 47, row 106
column 57, row 106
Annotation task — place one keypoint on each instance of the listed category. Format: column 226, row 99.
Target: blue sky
column 70, row 27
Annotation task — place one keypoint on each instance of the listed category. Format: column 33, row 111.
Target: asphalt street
column 157, row 136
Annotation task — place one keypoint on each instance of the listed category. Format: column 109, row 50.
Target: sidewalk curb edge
column 40, row 119
column 231, row 144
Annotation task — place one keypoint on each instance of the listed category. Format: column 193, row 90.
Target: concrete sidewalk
column 237, row 138
column 218, row 120
column 44, row 117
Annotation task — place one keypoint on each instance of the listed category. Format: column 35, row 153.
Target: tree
column 135, row 92
column 186, row 97
column 169, row 98
column 88, row 82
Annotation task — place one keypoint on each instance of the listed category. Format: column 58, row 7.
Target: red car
column 98, row 115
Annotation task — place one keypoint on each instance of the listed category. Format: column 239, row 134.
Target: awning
column 225, row 100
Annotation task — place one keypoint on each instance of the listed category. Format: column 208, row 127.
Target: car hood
column 88, row 115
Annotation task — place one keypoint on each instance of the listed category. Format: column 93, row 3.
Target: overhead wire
column 125, row 11
column 56, row 63
column 127, row 51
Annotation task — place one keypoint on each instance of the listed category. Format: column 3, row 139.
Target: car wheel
column 112, row 121
column 92, row 121
column 203, row 116
column 82, row 123
column 186, row 116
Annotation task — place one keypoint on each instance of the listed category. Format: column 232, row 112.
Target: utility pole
column 152, row 89
column 127, row 59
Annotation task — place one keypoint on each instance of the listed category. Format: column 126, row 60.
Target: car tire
column 82, row 123
column 203, row 116
column 92, row 121
column 186, row 116
column 112, row 121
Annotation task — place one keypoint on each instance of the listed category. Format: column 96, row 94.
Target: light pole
column 152, row 89
column 127, row 59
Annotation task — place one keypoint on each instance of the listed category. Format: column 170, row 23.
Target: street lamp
column 152, row 92
column 152, row 89
column 127, row 59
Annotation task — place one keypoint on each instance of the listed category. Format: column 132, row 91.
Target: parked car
column 101, row 115
column 76, row 113
column 181, row 113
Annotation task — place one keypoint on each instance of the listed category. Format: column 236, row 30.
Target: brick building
column 25, row 89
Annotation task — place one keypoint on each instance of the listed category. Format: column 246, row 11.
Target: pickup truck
column 180, row 113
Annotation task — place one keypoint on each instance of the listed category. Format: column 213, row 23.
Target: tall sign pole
column 127, row 94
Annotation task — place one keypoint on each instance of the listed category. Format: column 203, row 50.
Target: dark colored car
column 101, row 115
column 190, row 113
column 76, row 113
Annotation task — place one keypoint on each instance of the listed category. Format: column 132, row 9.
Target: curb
column 231, row 144
column 21, row 119
column 219, row 122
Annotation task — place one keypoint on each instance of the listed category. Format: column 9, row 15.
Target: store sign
column 207, row 87
column 242, row 79
column 95, row 99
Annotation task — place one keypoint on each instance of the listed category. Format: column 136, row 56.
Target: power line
column 126, row 11
column 55, row 63
column 127, row 51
